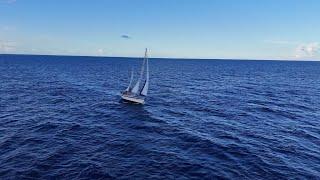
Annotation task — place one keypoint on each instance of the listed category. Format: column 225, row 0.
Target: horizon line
column 175, row 58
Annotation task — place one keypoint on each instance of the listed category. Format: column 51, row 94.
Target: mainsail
column 136, row 88
column 145, row 88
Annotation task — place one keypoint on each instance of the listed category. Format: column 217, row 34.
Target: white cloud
column 307, row 50
column 7, row 46
column 100, row 52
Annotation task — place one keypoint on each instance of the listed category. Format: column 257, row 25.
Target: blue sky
column 239, row 29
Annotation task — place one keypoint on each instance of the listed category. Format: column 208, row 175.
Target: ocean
column 61, row 117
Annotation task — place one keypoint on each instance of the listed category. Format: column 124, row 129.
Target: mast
column 137, row 86
column 145, row 88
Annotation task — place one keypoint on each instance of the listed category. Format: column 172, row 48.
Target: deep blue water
column 61, row 117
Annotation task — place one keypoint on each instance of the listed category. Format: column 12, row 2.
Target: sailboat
column 139, row 91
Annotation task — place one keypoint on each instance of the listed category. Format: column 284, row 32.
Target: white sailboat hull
column 132, row 99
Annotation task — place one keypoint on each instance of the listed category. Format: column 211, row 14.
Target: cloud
column 100, row 52
column 125, row 36
column 307, row 50
column 7, row 46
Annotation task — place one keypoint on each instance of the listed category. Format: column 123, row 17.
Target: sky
column 215, row 29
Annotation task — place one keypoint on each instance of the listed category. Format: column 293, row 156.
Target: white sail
column 130, row 84
column 136, row 88
column 145, row 88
